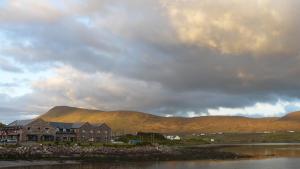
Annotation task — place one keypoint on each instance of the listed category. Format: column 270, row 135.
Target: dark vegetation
column 143, row 138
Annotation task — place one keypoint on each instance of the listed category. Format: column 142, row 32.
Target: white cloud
column 277, row 109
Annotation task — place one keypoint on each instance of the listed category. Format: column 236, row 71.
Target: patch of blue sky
column 84, row 20
column 2, row 3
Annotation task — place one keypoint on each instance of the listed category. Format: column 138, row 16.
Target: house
column 85, row 132
column 173, row 138
column 64, row 131
column 82, row 132
column 29, row 130
column 13, row 131
column 103, row 133
column 36, row 130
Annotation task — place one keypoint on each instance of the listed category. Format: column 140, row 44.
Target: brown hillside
column 130, row 121
column 294, row 116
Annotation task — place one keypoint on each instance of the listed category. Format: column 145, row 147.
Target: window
column 28, row 128
column 98, row 131
column 83, row 131
column 91, row 131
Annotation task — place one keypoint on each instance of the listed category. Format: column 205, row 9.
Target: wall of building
column 103, row 133
column 91, row 133
column 38, row 130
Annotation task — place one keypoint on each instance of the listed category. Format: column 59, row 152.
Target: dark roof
column 77, row 125
column 102, row 125
column 20, row 122
column 66, row 125
column 61, row 125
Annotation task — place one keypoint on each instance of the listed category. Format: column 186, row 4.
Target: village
column 39, row 139
column 39, row 130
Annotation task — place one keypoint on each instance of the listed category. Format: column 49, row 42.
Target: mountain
column 294, row 116
column 131, row 121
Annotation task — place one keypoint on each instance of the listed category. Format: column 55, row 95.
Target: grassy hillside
column 131, row 121
column 294, row 116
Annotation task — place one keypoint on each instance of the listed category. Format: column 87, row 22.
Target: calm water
column 271, row 157
column 274, row 163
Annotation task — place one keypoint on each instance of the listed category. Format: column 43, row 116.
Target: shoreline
column 111, row 154
column 27, row 163
column 81, row 155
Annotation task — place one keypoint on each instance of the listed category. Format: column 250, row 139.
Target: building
column 29, row 130
column 64, row 131
column 173, row 138
column 82, row 132
column 10, row 132
column 40, row 130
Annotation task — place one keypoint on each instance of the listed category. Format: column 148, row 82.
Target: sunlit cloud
column 236, row 27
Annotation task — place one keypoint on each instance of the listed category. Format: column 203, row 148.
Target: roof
column 102, row 125
column 77, row 125
column 99, row 124
column 20, row 122
column 61, row 125
column 66, row 125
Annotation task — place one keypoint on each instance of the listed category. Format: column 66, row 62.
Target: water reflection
column 289, row 159
column 274, row 163
column 265, row 151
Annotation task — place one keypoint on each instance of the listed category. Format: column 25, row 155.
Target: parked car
column 11, row 141
column 8, row 142
column 2, row 142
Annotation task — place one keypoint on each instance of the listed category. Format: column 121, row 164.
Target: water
column 274, row 163
column 269, row 156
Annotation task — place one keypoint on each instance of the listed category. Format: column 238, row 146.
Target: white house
column 173, row 138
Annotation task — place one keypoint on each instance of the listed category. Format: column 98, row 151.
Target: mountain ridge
column 123, row 121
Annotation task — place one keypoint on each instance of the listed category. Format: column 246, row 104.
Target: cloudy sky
column 165, row 57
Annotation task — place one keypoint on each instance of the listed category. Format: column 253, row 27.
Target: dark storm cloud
column 195, row 55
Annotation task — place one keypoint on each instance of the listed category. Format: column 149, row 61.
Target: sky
column 166, row 57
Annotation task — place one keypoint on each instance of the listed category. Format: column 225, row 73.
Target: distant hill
column 294, row 116
column 131, row 121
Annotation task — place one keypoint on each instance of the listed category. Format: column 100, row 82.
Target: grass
column 225, row 138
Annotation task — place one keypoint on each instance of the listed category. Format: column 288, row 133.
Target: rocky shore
column 42, row 152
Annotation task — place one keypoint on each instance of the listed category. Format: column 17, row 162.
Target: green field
column 236, row 138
